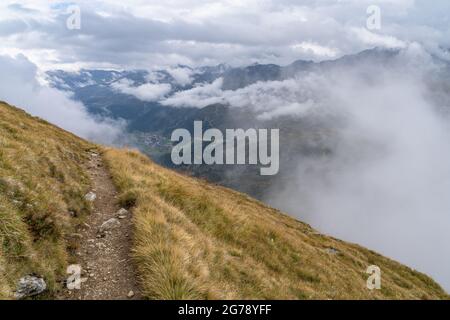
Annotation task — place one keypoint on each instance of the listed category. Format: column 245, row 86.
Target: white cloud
column 377, row 40
column 22, row 89
column 385, row 182
column 146, row 92
column 145, row 34
column 314, row 49
column 181, row 75
column 198, row 97
column 386, row 179
column 267, row 100
column 291, row 109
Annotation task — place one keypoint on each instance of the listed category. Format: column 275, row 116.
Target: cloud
column 146, row 92
column 290, row 109
column 183, row 76
column 198, row 97
column 315, row 49
column 385, row 184
column 22, row 89
column 377, row 40
column 384, row 181
column 267, row 100
column 154, row 33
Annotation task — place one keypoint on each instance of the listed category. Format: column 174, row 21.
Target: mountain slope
column 191, row 239
column 195, row 240
column 42, row 188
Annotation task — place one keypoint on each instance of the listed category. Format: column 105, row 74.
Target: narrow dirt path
column 104, row 249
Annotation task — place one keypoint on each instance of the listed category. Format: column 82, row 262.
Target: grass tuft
column 196, row 241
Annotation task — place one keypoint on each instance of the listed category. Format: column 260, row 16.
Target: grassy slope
column 42, row 180
column 196, row 240
column 192, row 239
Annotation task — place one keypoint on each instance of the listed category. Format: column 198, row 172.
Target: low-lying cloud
column 267, row 99
column 183, row 76
column 385, row 183
column 385, row 180
column 22, row 88
column 145, row 92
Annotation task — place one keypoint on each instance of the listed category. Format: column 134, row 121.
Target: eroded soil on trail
column 104, row 255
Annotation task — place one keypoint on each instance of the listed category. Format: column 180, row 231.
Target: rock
column 91, row 196
column 332, row 251
column 29, row 286
column 130, row 294
column 100, row 245
column 122, row 213
column 109, row 225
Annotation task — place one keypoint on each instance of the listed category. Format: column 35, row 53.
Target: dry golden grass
column 42, row 186
column 194, row 240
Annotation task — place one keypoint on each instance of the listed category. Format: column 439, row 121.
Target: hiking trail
column 105, row 244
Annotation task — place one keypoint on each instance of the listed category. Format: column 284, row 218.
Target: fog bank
column 386, row 182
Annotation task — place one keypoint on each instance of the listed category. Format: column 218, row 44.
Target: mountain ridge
column 191, row 239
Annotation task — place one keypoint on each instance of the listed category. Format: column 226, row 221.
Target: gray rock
column 122, row 213
column 332, row 251
column 109, row 225
column 29, row 286
column 100, row 245
column 91, row 196
column 130, row 294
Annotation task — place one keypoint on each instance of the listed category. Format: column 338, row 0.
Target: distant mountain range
column 150, row 122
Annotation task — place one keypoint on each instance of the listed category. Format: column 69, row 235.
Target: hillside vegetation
column 192, row 240
column 42, row 188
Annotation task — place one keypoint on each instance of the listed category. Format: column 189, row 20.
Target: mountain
column 98, row 91
column 189, row 239
column 309, row 136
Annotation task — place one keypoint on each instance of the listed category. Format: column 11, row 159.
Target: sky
column 147, row 34
column 392, row 113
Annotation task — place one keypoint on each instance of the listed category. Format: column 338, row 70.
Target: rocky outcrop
column 29, row 286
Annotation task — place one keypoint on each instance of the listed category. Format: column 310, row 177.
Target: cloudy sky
column 412, row 175
column 146, row 33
